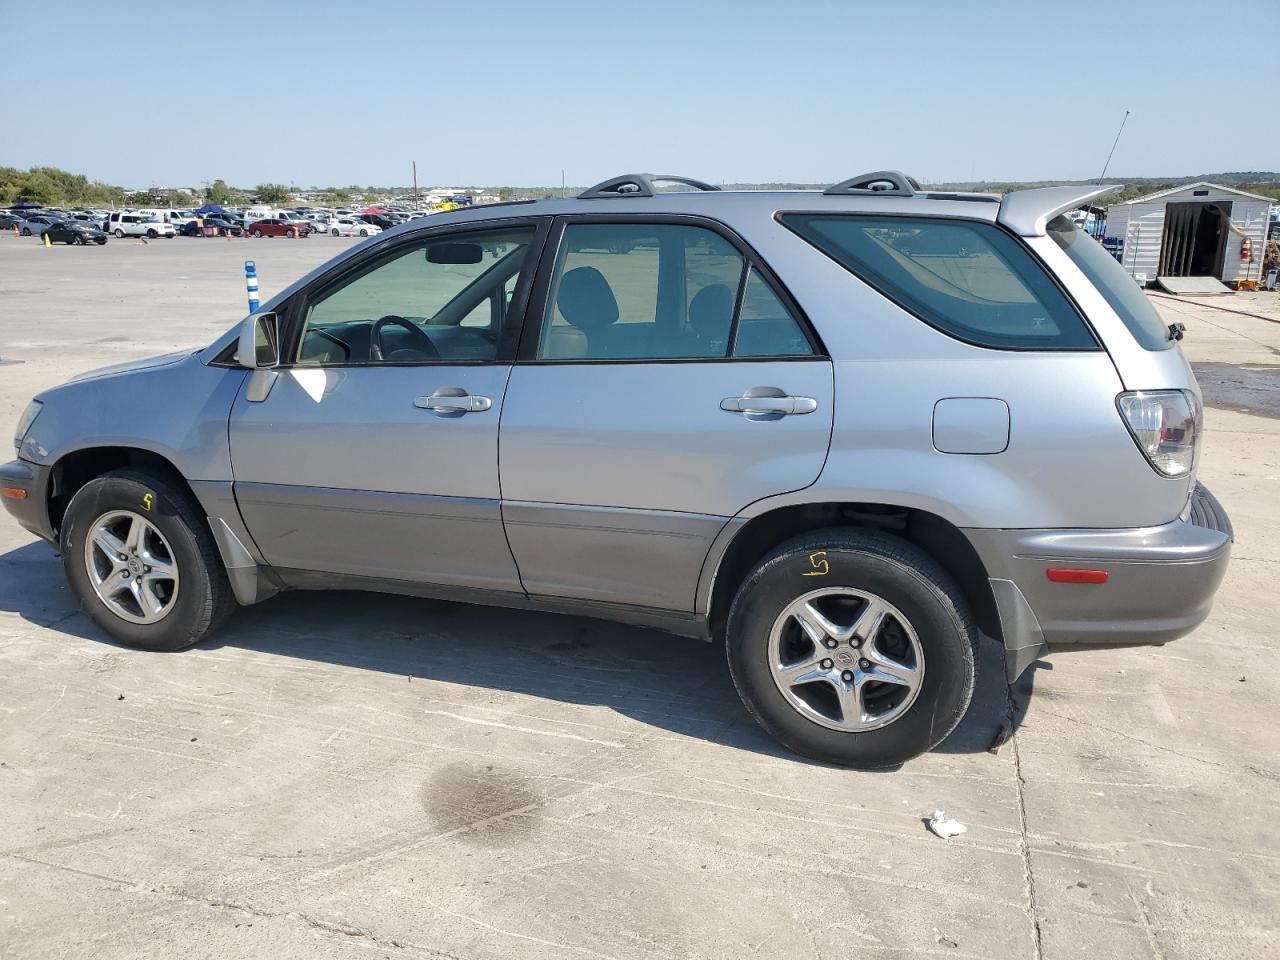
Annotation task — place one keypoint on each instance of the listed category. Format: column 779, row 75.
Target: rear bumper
column 1160, row 581
column 32, row 511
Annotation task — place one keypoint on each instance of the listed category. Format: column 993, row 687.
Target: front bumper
column 1160, row 581
column 32, row 510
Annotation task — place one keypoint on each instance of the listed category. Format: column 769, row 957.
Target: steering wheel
column 421, row 341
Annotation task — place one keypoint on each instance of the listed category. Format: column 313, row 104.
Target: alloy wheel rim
column 846, row 659
column 131, row 567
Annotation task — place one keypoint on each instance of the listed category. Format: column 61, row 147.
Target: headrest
column 586, row 300
column 711, row 311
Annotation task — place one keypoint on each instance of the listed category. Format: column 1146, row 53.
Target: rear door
column 374, row 452
column 666, row 380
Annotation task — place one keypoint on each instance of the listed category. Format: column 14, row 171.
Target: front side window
column 437, row 300
column 636, row 291
column 970, row 280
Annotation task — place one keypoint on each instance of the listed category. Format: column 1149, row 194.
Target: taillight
column 1166, row 426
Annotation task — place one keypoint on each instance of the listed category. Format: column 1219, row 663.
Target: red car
column 275, row 227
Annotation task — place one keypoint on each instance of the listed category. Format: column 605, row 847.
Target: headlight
column 1166, row 426
column 25, row 421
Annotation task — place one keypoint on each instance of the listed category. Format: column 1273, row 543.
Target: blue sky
column 511, row 93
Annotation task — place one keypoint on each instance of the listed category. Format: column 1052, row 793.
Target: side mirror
column 259, row 346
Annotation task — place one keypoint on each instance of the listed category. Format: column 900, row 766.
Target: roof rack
column 638, row 185
column 890, row 182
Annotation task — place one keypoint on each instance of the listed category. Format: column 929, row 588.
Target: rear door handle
column 453, row 400
column 782, row 405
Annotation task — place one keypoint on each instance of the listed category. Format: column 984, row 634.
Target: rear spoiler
column 1027, row 212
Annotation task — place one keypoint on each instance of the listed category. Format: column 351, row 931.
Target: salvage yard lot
column 354, row 775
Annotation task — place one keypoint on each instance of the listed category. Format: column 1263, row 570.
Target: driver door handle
column 446, row 401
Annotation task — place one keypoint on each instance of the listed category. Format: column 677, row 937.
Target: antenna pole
column 1123, row 121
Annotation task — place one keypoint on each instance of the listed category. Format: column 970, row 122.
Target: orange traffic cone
column 142, row 240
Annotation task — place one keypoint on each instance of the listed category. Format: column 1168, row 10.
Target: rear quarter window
column 968, row 279
column 1120, row 290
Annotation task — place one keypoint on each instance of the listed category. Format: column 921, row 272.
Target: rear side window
column 636, row 291
column 970, row 280
column 1118, row 288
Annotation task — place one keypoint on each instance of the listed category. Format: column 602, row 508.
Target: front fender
column 178, row 410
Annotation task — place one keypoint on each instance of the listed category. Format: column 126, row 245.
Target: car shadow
column 669, row 682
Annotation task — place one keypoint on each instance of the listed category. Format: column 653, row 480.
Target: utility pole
column 1113, row 146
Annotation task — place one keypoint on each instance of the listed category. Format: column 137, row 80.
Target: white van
column 139, row 223
column 261, row 213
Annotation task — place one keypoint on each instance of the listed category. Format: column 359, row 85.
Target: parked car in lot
column 352, row 227
column 277, row 227
column 124, row 224
column 212, row 224
column 9, row 220
column 75, row 232
column 36, row 224
column 842, row 431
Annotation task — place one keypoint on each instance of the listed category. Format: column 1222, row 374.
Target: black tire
column 900, row 573
column 256, row 233
column 77, row 240
column 119, row 234
column 26, row 231
column 151, row 234
column 204, row 599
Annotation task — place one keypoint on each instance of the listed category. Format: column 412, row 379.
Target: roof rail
column 638, row 185
column 891, row 182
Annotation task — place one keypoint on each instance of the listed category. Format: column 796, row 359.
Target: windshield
column 1119, row 289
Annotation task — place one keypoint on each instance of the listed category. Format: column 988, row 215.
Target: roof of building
column 1201, row 183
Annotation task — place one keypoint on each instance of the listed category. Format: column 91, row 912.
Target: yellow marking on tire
column 820, row 566
column 147, row 500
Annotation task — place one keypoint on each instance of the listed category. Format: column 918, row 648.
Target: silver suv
column 843, row 432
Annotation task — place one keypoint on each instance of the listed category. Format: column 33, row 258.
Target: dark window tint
column 1117, row 287
column 766, row 328
column 970, row 280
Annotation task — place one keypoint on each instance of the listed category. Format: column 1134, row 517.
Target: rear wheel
column 364, row 233
column 119, row 234
column 151, row 234
column 142, row 562
column 852, row 647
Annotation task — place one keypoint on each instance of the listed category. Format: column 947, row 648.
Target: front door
column 665, row 382
column 375, row 451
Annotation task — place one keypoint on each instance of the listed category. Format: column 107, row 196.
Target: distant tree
column 218, row 192
column 38, row 187
column 339, row 197
column 505, row 193
column 271, row 192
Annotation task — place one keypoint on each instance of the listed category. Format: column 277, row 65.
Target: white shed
column 1195, row 230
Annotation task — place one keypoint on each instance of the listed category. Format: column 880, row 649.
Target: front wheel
column 26, row 231
column 335, row 232
column 852, row 647
column 77, row 240
column 142, row 562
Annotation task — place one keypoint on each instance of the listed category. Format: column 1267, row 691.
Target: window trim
column 781, row 215
column 536, row 308
column 293, row 312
